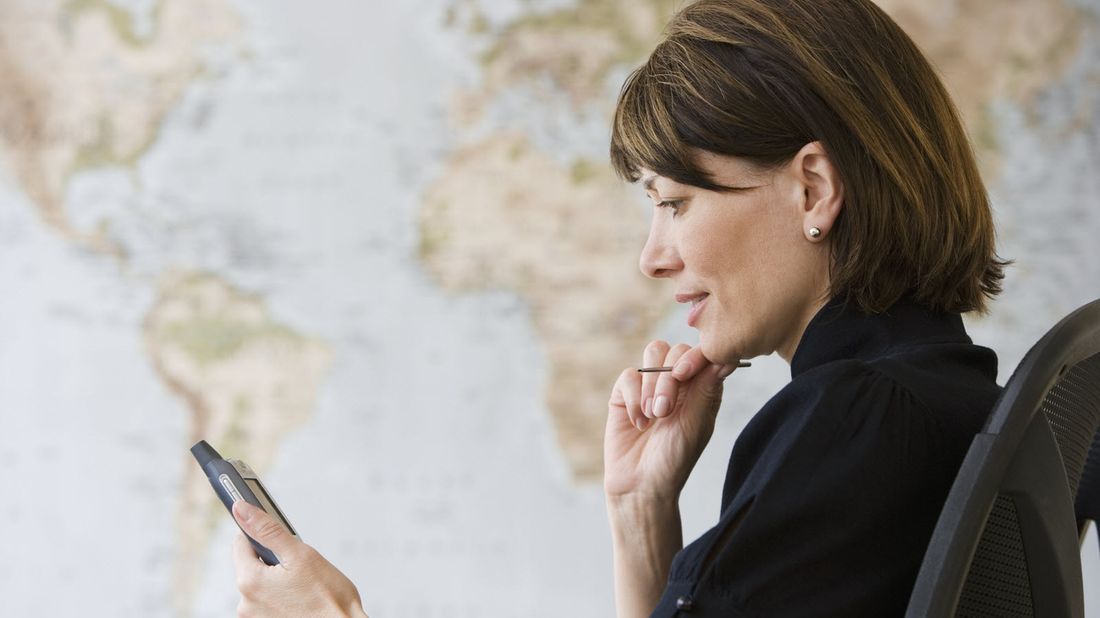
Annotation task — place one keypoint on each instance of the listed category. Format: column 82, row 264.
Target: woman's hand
column 302, row 584
column 657, row 426
column 659, row 423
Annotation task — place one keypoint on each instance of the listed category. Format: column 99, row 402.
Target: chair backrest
column 1008, row 539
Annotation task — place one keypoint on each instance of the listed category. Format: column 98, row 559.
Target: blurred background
column 375, row 249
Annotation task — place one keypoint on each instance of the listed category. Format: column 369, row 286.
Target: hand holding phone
column 232, row 480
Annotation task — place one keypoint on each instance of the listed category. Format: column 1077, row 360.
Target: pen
column 740, row 365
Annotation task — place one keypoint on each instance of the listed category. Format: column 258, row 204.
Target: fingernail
column 725, row 371
column 641, row 423
column 681, row 369
column 647, row 408
column 660, row 407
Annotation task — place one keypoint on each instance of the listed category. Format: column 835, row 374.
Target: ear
column 822, row 188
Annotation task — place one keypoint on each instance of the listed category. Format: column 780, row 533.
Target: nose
column 659, row 256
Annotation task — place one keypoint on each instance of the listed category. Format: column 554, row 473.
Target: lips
column 698, row 301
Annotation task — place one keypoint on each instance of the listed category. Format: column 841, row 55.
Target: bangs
column 646, row 133
column 692, row 97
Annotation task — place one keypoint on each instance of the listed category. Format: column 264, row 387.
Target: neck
column 786, row 351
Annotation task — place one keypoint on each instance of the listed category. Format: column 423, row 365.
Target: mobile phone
column 232, row 480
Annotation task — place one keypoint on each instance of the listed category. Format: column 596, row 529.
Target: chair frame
column 994, row 465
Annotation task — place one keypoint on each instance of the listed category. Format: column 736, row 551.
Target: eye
column 673, row 204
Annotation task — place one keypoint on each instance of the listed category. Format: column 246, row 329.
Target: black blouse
column 835, row 485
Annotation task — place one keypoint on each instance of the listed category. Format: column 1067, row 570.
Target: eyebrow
column 648, row 181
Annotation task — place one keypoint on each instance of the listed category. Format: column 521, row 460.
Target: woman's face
column 744, row 259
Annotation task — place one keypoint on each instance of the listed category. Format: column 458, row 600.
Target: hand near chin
column 659, row 423
column 302, row 584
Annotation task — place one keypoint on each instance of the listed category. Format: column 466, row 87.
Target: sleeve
column 841, row 516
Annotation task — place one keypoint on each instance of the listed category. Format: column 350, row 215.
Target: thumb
column 710, row 382
column 264, row 529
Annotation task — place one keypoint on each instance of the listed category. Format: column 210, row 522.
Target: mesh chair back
column 1072, row 407
column 1087, row 507
column 1008, row 540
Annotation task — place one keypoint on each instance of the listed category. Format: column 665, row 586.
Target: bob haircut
column 759, row 79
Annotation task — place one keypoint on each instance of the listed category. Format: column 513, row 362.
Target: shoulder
column 851, row 459
column 832, row 409
column 917, row 407
column 846, row 426
column 854, row 408
column 840, row 382
column 850, row 401
column 843, row 392
column 950, row 386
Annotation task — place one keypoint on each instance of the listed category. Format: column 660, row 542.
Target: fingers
column 265, row 529
column 690, row 364
column 243, row 555
column 643, row 397
column 247, row 566
column 667, row 386
column 654, row 355
column 627, row 397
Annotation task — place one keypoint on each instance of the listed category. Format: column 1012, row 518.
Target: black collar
column 840, row 331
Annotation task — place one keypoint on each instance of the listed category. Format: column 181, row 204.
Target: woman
column 815, row 196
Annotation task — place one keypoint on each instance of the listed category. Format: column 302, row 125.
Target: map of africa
column 377, row 252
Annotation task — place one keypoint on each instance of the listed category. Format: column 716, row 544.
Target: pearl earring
column 815, row 232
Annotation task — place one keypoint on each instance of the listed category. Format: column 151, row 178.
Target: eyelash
column 673, row 204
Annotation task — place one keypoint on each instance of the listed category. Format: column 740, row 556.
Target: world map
column 377, row 251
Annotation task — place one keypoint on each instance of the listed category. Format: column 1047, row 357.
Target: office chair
column 1008, row 541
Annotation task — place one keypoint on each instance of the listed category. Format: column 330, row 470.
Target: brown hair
column 759, row 79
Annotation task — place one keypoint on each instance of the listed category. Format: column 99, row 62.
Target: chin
column 729, row 350
column 719, row 353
